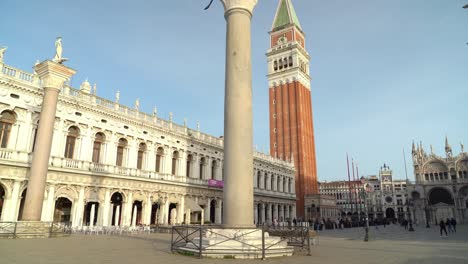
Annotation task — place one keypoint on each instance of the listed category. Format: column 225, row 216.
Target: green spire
column 285, row 16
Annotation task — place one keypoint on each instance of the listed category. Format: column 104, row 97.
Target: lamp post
column 410, row 204
column 363, row 192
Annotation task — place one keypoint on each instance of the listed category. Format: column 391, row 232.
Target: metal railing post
column 308, row 243
column 263, row 243
column 200, row 243
column 172, row 239
column 14, row 230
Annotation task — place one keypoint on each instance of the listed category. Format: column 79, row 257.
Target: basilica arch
column 440, row 195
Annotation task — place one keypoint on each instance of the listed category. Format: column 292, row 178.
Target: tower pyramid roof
column 285, row 16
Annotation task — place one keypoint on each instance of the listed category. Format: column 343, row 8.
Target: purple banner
column 215, row 183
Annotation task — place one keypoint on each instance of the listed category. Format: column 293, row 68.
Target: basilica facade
column 441, row 187
column 112, row 164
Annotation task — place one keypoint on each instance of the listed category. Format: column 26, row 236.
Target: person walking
column 448, row 223
column 442, row 228
column 454, row 225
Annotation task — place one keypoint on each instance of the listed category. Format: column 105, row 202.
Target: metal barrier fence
column 34, row 229
column 184, row 237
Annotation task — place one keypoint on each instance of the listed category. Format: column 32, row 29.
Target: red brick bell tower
column 291, row 124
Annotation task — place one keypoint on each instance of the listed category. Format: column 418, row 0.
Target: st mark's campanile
column 291, row 122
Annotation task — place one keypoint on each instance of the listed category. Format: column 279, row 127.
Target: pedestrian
column 448, row 223
column 442, row 228
column 454, row 224
column 294, row 221
column 384, row 222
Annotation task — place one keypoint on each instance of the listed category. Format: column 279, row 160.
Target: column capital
column 52, row 74
column 242, row 4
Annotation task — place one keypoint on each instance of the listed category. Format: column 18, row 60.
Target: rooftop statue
column 58, row 51
column 2, row 53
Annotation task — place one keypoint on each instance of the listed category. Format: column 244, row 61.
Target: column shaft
column 238, row 159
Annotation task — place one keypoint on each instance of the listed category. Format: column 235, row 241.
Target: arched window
column 285, row 62
column 175, row 157
column 265, row 183
column 73, row 134
column 120, row 151
column 289, row 186
column 8, row 118
column 272, row 182
column 189, row 165
column 159, row 155
column 280, row 64
column 141, row 155
column 278, row 184
column 202, row 167
column 99, row 140
column 275, row 65
column 290, row 61
column 213, row 169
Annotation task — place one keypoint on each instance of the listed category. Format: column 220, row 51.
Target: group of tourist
column 450, row 224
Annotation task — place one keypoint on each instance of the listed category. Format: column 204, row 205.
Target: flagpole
column 411, row 229
column 354, row 187
column 349, row 186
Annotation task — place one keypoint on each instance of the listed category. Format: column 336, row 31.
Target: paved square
column 388, row 245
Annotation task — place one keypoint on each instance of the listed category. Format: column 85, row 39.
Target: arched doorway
column 137, row 209
column 442, row 203
column 2, row 199
column 440, row 195
column 390, row 213
column 116, row 201
column 62, row 212
column 172, row 215
column 155, row 207
column 21, row 207
column 91, row 213
column 212, row 211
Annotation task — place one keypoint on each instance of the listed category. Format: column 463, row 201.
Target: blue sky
column 384, row 73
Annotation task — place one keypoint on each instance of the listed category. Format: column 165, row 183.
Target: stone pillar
column 238, row 153
column 262, row 214
column 79, row 208
column 147, row 210
column 10, row 212
column 208, row 210
column 163, row 211
column 218, row 217
column 256, row 213
column 52, row 75
column 127, row 210
column 107, row 206
column 50, row 204
column 275, row 212
column 181, row 211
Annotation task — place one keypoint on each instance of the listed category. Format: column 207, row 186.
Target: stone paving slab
column 390, row 246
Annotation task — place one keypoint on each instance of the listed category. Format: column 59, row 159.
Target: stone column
column 261, row 219
column 180, row 210
column 218, row 209
column 10, row 212
column 52, row 75
column 107, row 207
column 50, row 204
column 256, row 213
column 208, row 210
column 127, row 210
column 238, row 153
